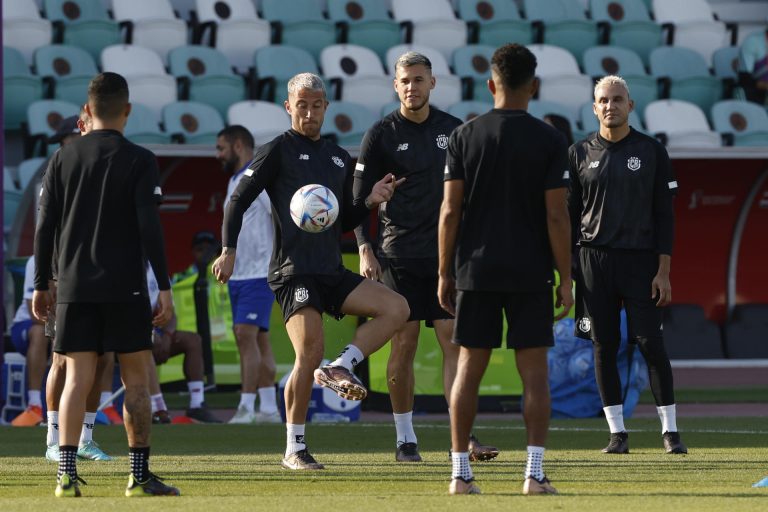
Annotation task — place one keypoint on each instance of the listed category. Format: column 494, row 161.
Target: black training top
column 98, row 205
column 621, row 193
column 508, row 160
column 281, row 167
column 416, row 151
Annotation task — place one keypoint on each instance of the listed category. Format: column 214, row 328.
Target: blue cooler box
column 13, row 386
column 325, row 406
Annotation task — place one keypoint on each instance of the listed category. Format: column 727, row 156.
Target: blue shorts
column 251, row 301
column 20, row 335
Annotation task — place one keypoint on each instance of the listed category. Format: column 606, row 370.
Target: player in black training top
column 504, row 223
column 98, row 207
column 306, row 268
column 410, row 142
column 621, row 206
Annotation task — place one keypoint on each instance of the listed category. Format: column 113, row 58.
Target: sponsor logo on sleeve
column 672, row 185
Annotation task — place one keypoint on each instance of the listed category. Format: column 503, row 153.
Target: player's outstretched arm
column 559, row 229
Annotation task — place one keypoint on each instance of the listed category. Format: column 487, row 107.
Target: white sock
column 33, row 398
column 53, row 428
column 668, row 417
column 614, row 414
column 268, row 400
column 294, row 436
column 349, row 358
column 248, row 400
column 404, row 428
column 461, row 467
column 104, row 397
column 158, row 403
column 534, row 466
column 196, row 393
column 86, row 434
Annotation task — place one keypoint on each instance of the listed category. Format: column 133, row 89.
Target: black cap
column 68, row 126
column 202, row 237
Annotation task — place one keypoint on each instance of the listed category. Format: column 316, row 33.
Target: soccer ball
column 314, row 208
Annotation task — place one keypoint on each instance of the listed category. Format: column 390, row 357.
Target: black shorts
column 416, row 280
column 325, row 293
column 103, row 327
column 479, row 322
column 608, row 280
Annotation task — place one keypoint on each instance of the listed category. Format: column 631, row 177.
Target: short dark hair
column 238, row 132
column 107, row 95
column 515, row 64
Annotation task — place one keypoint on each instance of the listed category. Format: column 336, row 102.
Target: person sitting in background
column 753, row 67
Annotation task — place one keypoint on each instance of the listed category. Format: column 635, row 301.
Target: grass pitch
column 236, row 467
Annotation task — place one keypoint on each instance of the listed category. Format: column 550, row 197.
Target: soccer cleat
column 342, row 381
column 32, row 416
column 152, row 486
column 267, row 417
column 112, row 415
column 161, row 417
column 533, row 486
column 481, row 452
column 90, row 450
column 461, row 486
column 407, row 452
column 619, row 443
column 243, row 416
column 52, row 453
column 67, row 487
column 301, row 460
column 202, row 415
column 672, row 443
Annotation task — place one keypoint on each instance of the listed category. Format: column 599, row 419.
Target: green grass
column 712, row 396
column 233, row 468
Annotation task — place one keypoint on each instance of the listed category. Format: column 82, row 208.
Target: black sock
column 68, row 461
column 139, row 463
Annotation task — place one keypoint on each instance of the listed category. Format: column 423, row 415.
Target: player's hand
column 564, row 293
column 446, row 294
column 383, row 190
column 164, row 309
column 42, row 302
column 369, row 265
column 661, row 288
column 224, row 266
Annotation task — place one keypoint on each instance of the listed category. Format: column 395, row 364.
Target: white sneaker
column 268, row 417
column 243, row 416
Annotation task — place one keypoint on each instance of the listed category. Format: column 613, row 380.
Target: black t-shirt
column 98, row 207
column 281, row 167
column 621, row 193
column 416, row 151
column 508, row 160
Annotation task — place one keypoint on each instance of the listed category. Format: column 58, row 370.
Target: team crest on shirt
column 301, row 295
column 633, row 163
column 338, row 161
column 442, row 141
column 585, row 325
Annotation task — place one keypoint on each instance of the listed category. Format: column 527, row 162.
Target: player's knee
column 652, row 348
column 399, row 309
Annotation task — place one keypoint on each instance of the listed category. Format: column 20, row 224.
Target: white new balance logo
column 303, row 156
column 593, row 165
column 402, row 147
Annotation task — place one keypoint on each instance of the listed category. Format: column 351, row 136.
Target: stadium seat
column 11, row 202
column 692, row 25
column 470, row 109
column 205, row 76
column 85, row 23
column 539, row 109
column 561, row 79
column 389, row 108
column 747, row 16
column 682, row 123
column 263, row 119
column 423, row 10
column 618, row 11
column 688, row 334
column 686, row 76
column 746, row 333
column 232, row 27
column 725, row 62
column 29, row 169
column 142, row 126
column 554, row 61
column 151, row 24
column 495, row 22
column 746, row 122
column 299, row 23
column 24, row 28
column 357, row 75
column 20, row 88
column 275, row 65
column 366, row 23
column 348, row 122
column 564, row 23
column 629, row 25
column 614, row 60
column 43, row 120
column 473, row 64
column 192, row 123
column 448, row 89
column 68, row 70
column 432, row 23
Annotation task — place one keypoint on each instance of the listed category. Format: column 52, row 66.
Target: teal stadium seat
column 473, row 64
column 142, row 126
column 746, row 122
column 194, row 123
column 495, row 22
column 20, row 88
column 69, row 70
column 348, row 122
column 688, row 76
column 205, row 76
column 300, row 23
column 43, row 120
column 469, row 109
column 85, row 24
column 693, row 26
column 275, row 65
column 366, row 23
column 614, row 60
column 725, row 62
column 565, row 24
column 629, row 25
column 24, row 28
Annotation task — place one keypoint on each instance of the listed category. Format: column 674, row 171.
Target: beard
column 416, row 106
column 229, row 166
